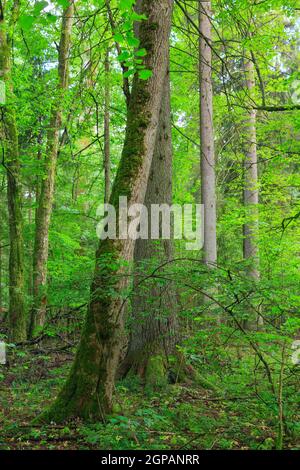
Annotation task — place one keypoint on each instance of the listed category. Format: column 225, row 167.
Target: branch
column 275, row 109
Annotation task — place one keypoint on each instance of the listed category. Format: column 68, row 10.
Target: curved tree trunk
column 153, row 322
column 17, row 316
column 89, row 388
column 45, row 201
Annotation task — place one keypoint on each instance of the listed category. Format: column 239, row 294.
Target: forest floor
column 185, row 416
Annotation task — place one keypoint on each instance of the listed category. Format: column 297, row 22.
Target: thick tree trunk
column 44, row 209
column 251, row 192
column 17, row 316
column 208, row 179
column 89, row 389
column 107, row 129
column 153, row 322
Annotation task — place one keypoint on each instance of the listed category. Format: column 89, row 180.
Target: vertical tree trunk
column 153, row 323
column 44, row 209
column 17, row 317
column 251, row 180
column 89, row 389
column 251, row 192
column 107, row 129
column 208, row 179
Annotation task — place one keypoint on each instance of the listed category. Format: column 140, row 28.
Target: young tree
column 46, row 190
column 89, row 388
column 17, row 316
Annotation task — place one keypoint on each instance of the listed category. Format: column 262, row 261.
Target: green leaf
column 133, row 42
column 141, row 53
column 38, row 7
column 51, row 18
column 128, row 73
column 136, row 17
column 63, row 3
column 118, row 37
column 26, row 22
column 123, row 56
column 145, row 74
column 126, row 4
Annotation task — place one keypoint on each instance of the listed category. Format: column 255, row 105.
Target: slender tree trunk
column 251, row 180
column 208, row 179
column 107, row 129
column 251, row 192
column 153, row 322
column 44, row 209
column 89, row 389
column 17, row 316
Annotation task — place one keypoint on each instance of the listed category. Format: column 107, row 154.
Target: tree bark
column 17, row 318
column 88, row 391
column 46, row 192
column 208, row 178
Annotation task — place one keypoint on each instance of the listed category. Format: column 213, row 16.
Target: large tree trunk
column 251, row 192
column 208, row 179
column 153, row 322
column 89, row 389
column 16, row 256
column 45, row 201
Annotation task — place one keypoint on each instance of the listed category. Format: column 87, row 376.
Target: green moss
column 155, row 376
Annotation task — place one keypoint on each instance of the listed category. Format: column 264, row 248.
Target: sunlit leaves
column 26, row 22
column 145, row 74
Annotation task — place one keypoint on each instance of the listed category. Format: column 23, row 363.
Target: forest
column 150, row 225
